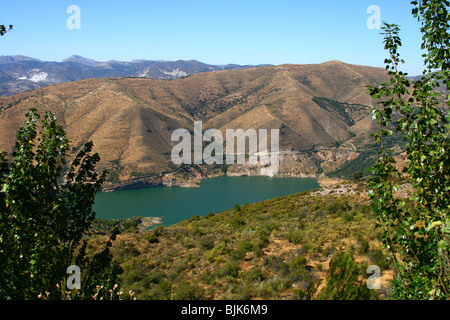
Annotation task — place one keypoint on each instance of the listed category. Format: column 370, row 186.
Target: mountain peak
column 333, row 62
column 16, row 58
column 82, row 60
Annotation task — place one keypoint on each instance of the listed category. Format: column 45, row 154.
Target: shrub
column 161, row 291
column 151, row 238
column 363, row 245
column 157, row 231
column 295, row 236
column 342, row 281
column 357, row 175
column 215, row 253
column 184, row 290
column 298, row 294
column 297, row 263
column 230, row 269
column 130, row 226
column 244, row 247
column 254, row 275
column 206, row 243
column 378, row 258
column 237, row 222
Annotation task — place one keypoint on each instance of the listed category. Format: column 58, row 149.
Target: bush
column 363, row 245
column 157, row 231
column 378, row 258
column 298, row 294
column 230, row 269
column 151, row 238
column 237, row 222
column 295, row 236
column 357, row 175
column 342, row 280
column 254, row 275
column 161, row 291
column 244, row 247
column 156, row 277
column 297, row 263
column 261, row 243
column 125, row 252
column 215, row 253
column 130, row 226
column 206, row 243
column 183, row 290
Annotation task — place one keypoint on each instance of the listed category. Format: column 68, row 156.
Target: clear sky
column 211, row 31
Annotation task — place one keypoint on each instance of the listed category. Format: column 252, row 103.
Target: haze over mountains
column 20, row 73
column 321, row 110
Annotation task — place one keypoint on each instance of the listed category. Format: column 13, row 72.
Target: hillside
column 21, row 73
column 276, row 249
column 322, row 112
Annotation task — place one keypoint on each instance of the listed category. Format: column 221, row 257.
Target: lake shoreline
column 144, row 183
column 325, row 181
column 141, row 224
column 213, row 196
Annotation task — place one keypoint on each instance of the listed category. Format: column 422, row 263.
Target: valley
column 322, row 112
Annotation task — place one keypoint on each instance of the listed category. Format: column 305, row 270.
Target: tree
column 44, row 214
column 418, row 234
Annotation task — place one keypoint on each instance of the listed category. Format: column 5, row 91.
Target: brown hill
column 131, row 120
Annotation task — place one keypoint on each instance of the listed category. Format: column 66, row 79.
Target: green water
column 213, row 195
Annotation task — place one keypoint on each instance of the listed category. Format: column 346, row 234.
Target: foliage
column 100, row 275
column 342, row 280
column 130, row 226
column 152, row 238
column 4, row 29
column 257, row 258
column 416, row 236
column 44, row 214
column 357, row 175
column 187, row 291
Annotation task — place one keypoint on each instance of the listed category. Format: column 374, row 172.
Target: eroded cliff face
column 166, row 181
column 291, row 164
column 333, row 159
column 308, row 164
column 302, row 164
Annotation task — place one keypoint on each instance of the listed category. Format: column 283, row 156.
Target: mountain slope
column 131, row 120
column 276, row 249
column 20, row 73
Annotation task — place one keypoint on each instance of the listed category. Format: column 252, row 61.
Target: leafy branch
column 416, row 235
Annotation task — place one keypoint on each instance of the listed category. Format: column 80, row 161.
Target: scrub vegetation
column 276, row 249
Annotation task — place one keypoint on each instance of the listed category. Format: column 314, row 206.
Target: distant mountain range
column 322, row 111
column 20, row 73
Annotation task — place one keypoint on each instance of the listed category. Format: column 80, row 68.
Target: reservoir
column 213, row 195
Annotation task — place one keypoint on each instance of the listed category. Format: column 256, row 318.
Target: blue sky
column 213, row 31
